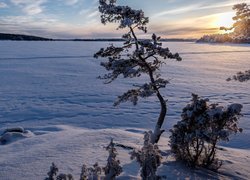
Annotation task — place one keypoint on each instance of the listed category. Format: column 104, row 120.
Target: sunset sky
column 80, row 18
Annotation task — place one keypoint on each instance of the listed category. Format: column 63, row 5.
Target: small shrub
column 91, row 173
column 148, row 157
column 64, row 177
column 241, row 76
column 113, row 168
column 195, row 137
column 52, row 172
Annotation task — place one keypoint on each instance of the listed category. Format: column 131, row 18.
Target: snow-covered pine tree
column 113, row 168
column 149, row 158
column 84, row 173
column 135, row 57
column 52, row 172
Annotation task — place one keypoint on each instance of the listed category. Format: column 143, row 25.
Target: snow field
column 51, row 89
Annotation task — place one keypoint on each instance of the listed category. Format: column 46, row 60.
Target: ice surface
column 51, row 89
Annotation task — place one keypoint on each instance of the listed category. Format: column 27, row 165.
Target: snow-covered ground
column 51, row 89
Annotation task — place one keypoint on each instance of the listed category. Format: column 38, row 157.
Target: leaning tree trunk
column 157, row 131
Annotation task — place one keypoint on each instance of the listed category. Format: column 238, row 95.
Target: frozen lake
column 55, row 83
column 50, row 88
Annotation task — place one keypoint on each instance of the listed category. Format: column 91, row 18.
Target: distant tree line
column 20, row 37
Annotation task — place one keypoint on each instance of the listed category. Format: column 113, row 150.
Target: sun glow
column 224, row 19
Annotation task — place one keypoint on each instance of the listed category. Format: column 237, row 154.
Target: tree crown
column 136, row 56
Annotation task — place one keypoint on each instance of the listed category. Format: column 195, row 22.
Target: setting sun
column 224, row 19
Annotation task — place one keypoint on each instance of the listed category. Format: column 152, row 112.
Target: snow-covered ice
column 51, row 89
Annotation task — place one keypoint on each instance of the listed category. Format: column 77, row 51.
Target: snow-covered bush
column 135, row 57
column 113, row 168
column 64, row 177
column 241, row 76
column 91, row 173
column 52, row 172
column 148, row 157
column 194, row 139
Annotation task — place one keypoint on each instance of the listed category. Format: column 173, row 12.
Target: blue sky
column 80, row 18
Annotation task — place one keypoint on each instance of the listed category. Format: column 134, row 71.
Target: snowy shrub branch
column 194, row 139
column 53, row 174
column 91, row 173
column 135, row 57
column 241, row 76
column 111, row 170
column 149, row 158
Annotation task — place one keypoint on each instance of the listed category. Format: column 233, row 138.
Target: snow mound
column 71, row 147
column 13, row 134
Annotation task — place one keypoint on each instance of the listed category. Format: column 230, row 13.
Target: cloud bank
column 80, row 18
